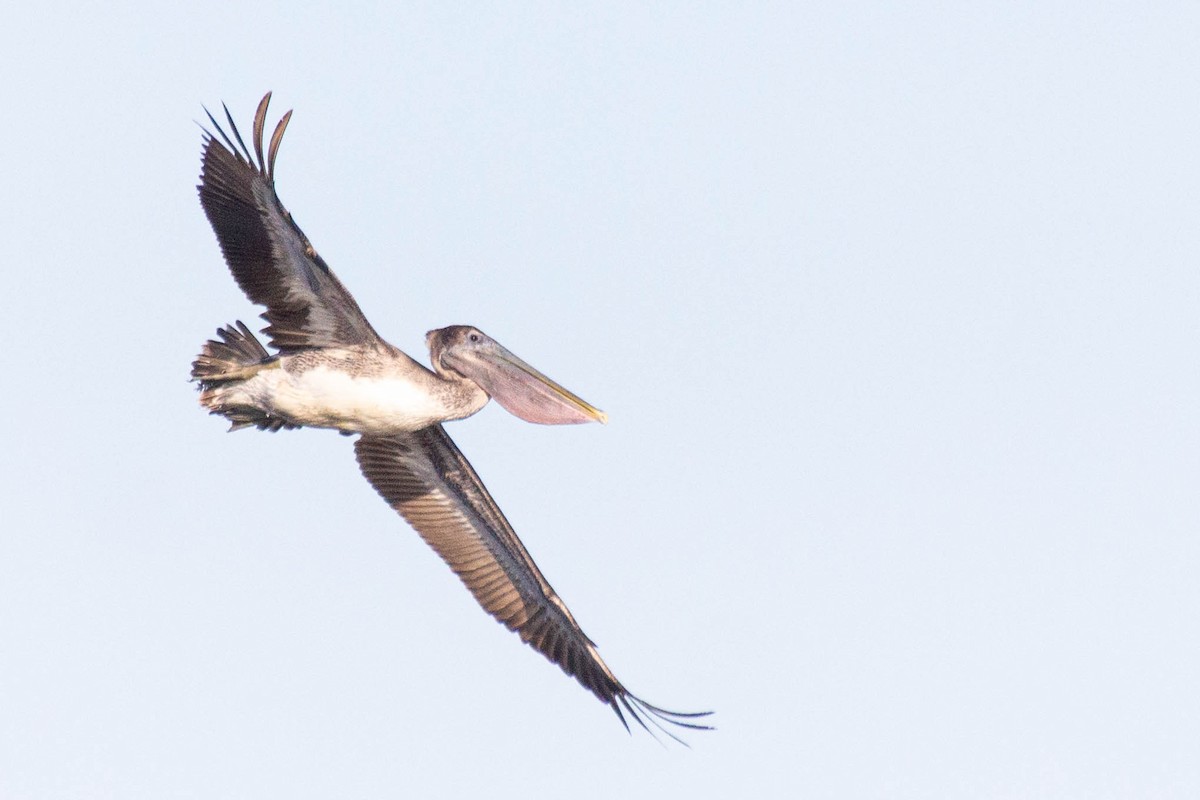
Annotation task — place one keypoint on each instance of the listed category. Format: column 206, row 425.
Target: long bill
column 525, row 392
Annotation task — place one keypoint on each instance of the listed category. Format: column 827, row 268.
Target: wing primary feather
column 616, row 707
column 238, row 135
column 679, row 716
column 220, row 131
column 260, row 122
column 276, row 138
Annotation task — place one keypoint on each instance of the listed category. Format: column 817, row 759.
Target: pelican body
column 330, row 369
column 380, row 390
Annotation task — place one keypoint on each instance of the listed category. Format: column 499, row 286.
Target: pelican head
column 461, row 352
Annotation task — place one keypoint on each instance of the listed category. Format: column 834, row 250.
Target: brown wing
column 425, row 477
column 269, row 256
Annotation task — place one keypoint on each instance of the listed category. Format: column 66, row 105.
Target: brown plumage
column 324, row 345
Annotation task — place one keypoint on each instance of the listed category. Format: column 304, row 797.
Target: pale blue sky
column 893, row 307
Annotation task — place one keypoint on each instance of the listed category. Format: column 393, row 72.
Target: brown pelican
column 332, row 370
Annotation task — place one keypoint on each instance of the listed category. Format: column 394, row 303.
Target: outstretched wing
column 269, row 256
column 425, row 477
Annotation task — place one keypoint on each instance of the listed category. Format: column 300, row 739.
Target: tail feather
column 235, row 357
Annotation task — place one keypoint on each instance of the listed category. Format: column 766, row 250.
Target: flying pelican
column 332, row 370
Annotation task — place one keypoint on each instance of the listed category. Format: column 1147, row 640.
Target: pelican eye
column 474, row 337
